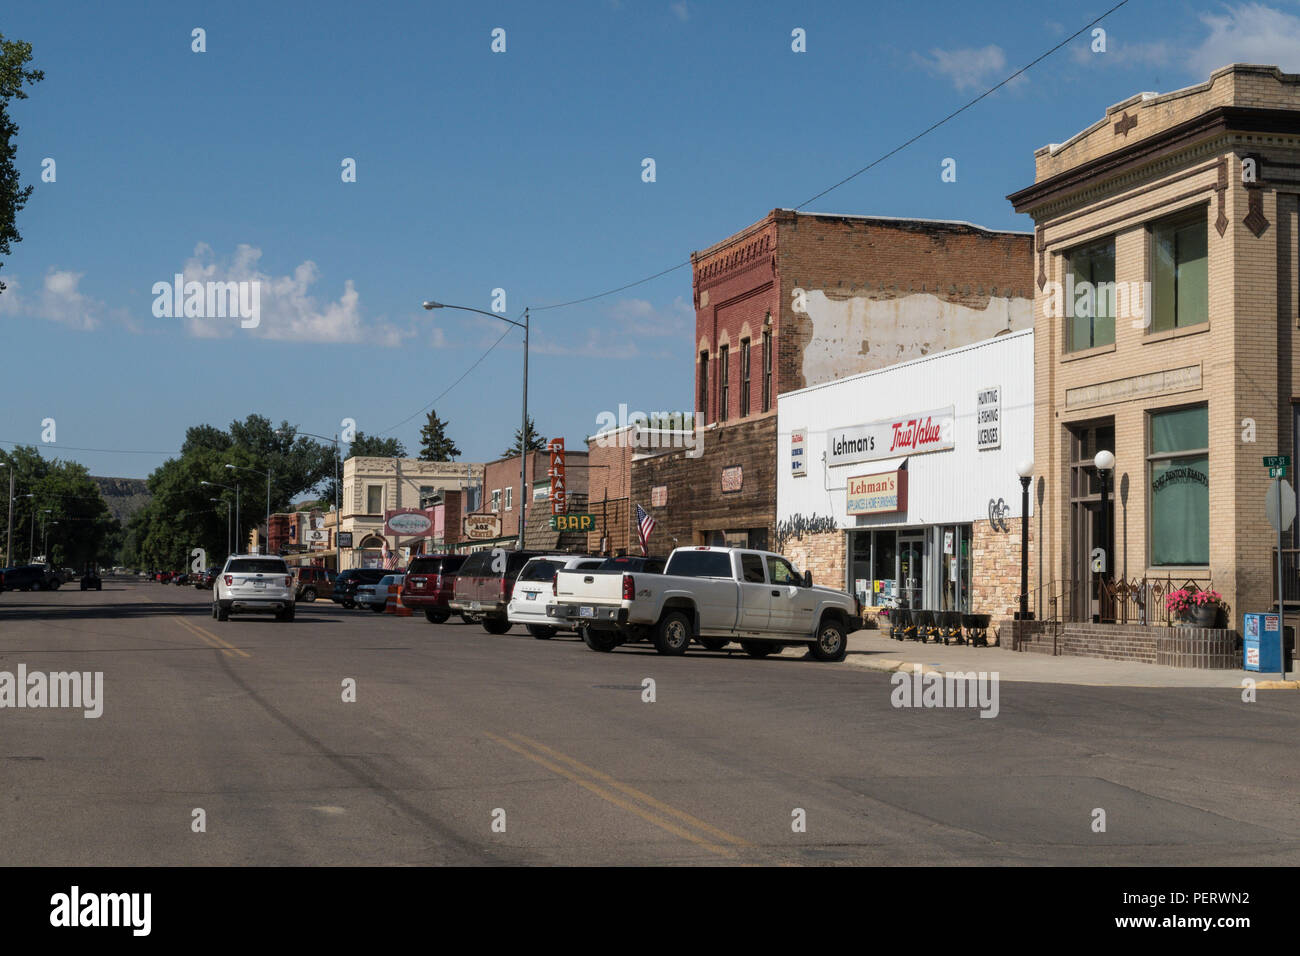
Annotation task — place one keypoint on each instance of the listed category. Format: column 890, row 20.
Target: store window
column 1179, row 271
column 1091, row 310
column 955, row 568
column 1178, row 466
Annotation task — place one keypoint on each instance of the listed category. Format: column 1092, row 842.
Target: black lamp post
column 1026, row 471
column 1105, row 463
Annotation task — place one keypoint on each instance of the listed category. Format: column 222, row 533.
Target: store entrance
column 911, row 570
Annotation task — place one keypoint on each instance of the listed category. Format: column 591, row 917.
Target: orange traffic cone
column 400, row 609
column 390, row 604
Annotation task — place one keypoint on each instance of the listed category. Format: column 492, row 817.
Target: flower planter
column 1206, row 615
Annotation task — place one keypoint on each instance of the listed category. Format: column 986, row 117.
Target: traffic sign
column 1287, row 504
column 1277, row 461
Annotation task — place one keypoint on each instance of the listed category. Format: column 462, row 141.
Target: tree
column 371, row 446
column 535, row 441
column 14, row 55
column 72, row 497
column 434, row 443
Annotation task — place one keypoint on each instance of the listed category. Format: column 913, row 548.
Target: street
column 453, row 730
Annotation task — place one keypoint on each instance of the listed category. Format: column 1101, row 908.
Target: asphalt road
column 453, row 729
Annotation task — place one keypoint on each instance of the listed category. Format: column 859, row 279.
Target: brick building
column 609, row 489
column 501, row 488
column 799, row 299
column 1185, row 205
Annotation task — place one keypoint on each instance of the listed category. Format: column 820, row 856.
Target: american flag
column 390, row 559
column 644, row 525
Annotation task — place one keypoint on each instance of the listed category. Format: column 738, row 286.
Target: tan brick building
column 799, row 299
column 1165, row 317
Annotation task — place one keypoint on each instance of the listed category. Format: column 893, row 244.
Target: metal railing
column 1129, row 601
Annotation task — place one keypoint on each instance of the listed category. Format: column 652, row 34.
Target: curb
column 1277, row 685
column 890, row 664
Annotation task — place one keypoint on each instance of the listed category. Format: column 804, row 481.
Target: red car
column 430, row 582
column 162, row 577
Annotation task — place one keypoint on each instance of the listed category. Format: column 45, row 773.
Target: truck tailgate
column 589, row 587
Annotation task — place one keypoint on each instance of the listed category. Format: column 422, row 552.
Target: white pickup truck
column 712, row 595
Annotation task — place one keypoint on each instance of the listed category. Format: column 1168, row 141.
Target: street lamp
column 523, row 426
column 1026, row 472
column 268, row 492
column 32, row 547
column 227, row 504
column 1104, row 462
column 213, row 484
column 338, row 512
column 45, row 533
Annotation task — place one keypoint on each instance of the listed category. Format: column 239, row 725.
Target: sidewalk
column 871, row 650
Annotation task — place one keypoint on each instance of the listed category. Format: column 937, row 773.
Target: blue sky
column 477, row 171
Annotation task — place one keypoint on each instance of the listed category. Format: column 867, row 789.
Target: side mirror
column 807, row 579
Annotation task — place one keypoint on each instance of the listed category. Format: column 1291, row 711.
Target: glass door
column 911, row 570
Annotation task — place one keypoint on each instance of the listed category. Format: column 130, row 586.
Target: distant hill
column 125, row 496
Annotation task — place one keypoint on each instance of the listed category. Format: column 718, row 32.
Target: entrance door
column 1088, row 529
column 911, row 570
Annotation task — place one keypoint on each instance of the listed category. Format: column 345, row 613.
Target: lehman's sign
column 876, row 494
column 909, row 435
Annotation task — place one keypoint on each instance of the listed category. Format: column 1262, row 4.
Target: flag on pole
column 390, row 559
column 644, row 525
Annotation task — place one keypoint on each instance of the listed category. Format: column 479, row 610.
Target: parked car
column 430, row 584
column 255, row 583
column 715, row 595
column 375, row 596
column 90, row 581
column 162, row 577
column 31, row 577
column 203, row 580
column 345, row 585
column 534, row 591
column 311, row 583
column 182, row 578
column 482, row 593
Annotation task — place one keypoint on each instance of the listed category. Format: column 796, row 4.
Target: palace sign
column 558, row 496
column 877, row 494
column 891, row 438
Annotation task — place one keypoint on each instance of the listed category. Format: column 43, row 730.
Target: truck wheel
column 713, row 643
column 541, row 631
column 832, row 641
column 598, row 640
column 758, row 648
column 465, row 618
column 673, row 635
column 436, row 615
column 378, row 608
column 496, row 625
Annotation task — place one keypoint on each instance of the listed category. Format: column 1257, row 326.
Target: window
column 1178, row 467
column 510, row 497
column 496, row 499
column 541, row 490
column 1179, row 272
column 374, row 499
column 744, row 377
column 780, row 571
column 701, row 564
column 1092, row 306
column 751, row 569
column 767, row 370
column 724, row 382
column 704, row 384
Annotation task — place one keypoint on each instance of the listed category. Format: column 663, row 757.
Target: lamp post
column 523, row 425
column 45, row 533
column 1104, row 462
column 1026, row 472
column 44, row 512
column 268, row 497
column 227, row 504
column 9, row 532
column 235, row 489
column 338, row 512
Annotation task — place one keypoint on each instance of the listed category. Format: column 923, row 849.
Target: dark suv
column 430, row 583
column 345, row 585
column 29, row 577
column 483, row 594
column 310, row 583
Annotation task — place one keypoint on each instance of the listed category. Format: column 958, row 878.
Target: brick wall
column 995, row 569
column 609, row 483
column 504, row 473
column 825, row 554
column 1201, row 648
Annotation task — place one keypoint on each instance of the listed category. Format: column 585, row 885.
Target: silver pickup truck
column 713, row 596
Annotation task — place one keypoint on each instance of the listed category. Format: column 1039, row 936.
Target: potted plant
column 1194, row 607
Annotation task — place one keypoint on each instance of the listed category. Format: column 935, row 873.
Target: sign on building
column 345, row 539
column 659, row 496
column 988, row 418
column 408, row 524
column 913, row 434
column 798, row 456
column 555, row 451
column 876, row 494
column 482, row 526
column 573, row 522
column 732, row 478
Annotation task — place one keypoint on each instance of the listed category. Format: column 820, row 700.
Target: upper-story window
column 510, row 498
column 744, row 377
column 496, row 500
column 704, row 384
column 1180, row 271
column 374, row 499
column 1091, row 308
column 724, row 382
column 767, row 371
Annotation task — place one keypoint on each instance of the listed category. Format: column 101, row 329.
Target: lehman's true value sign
column 911, row 435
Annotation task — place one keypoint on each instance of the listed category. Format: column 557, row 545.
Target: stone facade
column 995, row 569
column 825, row 554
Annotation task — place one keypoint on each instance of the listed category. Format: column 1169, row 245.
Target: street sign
column 573, row 522
column 1278, row 471
column 1277, row 461
column 1287, row 505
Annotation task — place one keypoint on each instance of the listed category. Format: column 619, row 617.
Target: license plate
column 586, row 612
column 531, row 595
column 260, row 585
column 475, row 606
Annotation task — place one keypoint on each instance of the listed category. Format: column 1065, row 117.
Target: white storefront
column 914, row 467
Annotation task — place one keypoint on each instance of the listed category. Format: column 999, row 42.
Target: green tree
column 71, row 497
column 371, row 446
column 535, row 441
column 434, row 443
column 14, row 56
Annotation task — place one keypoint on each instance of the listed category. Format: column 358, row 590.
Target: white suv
column 256, row 583
column 533, row 592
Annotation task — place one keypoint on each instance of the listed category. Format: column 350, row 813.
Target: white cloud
column 680, row 10
column 1250, row 33
column 968, row 68
column 289, row 311
column 59, row 300
column 631, row 325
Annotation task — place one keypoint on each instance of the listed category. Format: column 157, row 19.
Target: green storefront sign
column 573, row 522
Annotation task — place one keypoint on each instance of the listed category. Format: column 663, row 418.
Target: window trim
column 1197, row 212
column 382, row 495
column 495, row 500
column 767, row 367
column 509, row 498
column 744, row 378
column 1150, row 457
column 704, row 384
column 1067, row 340
column 724, row 381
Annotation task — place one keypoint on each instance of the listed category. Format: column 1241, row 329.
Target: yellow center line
column 615, row 799
column 637, row 794
column 205, row 635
